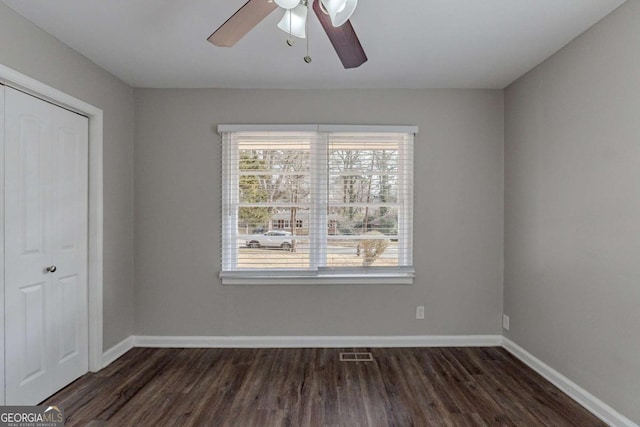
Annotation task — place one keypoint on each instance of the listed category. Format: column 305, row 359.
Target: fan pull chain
column 290, row 41
column 307, row 58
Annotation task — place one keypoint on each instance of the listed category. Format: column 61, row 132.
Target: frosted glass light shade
column 294, row 21
column 287, row 4
column 339, row 10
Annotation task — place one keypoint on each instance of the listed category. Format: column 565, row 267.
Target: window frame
column 317, row 274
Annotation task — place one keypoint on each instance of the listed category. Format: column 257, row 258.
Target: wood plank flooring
column 311, row 387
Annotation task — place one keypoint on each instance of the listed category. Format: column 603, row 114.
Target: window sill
column 276, row 279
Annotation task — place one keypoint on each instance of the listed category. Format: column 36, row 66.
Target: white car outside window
column 271, row 239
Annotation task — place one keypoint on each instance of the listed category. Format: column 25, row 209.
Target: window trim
column 317, row 128
column 316, row 275
column 243, row 278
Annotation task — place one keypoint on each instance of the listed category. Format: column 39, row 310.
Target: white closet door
column 69, row 228
column 45, row 247
column 28, row 305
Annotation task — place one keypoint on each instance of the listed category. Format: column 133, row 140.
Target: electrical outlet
column 505, row 322
column 420, row 312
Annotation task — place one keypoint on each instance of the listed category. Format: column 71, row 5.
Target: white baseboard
column 320, row 341
column 110, row 356
column 594, row 405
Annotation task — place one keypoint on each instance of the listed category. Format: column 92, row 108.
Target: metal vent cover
column 356, row 357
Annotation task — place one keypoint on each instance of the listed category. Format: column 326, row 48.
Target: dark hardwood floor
column 311, row 387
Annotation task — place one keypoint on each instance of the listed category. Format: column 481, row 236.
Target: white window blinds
column 305, row 205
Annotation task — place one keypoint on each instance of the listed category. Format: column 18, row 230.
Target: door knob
column 51, row 269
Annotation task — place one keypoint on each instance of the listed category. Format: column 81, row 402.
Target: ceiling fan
column 333, row 16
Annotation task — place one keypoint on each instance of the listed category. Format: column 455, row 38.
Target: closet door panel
column 69, row 218
column 28, row 304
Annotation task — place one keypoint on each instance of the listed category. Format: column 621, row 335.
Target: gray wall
column 26, row 48
column 458, row 227
column 572, row 197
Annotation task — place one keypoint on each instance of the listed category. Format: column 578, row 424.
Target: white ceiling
column 410, row 43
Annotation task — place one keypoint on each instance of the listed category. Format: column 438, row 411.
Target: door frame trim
column 16, row 79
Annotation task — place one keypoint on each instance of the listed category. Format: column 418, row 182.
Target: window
column 285, row 223
column 317, row 204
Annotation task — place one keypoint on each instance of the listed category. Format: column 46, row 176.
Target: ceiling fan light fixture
column 339, row 10
column 344, row 39
column 294, row 21
column 287, row 4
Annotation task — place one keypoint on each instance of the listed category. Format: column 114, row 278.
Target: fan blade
column 343, row 38
column 243, row 21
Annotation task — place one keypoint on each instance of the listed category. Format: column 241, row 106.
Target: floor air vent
column 356, row 357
